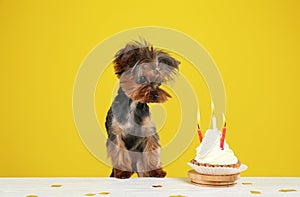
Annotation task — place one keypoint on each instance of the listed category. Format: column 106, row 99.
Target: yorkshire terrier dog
column 133, row 143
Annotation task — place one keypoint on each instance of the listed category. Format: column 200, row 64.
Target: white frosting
column 210, row 151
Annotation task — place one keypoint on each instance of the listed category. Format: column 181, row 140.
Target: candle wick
column 225, row 124
column 198, row 126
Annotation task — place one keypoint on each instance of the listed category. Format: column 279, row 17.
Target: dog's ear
column 167, row 66
column 168, row 60
column 126, row 58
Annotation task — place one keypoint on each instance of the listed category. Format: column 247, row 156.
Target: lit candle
column 199, row 130
column 223, row 133
column 214, row 120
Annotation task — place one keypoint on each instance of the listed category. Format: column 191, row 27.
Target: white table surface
column 142, row 187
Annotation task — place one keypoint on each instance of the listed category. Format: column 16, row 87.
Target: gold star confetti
column 255, row 192
column 56, row 185
column 104, row 193
column 31, row 196
column 177, row 196
column 246, row 183
column 287, row 190
column 90, row 194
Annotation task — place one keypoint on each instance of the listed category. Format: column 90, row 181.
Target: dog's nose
column 154, row 96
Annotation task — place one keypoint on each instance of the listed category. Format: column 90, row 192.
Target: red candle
column 199, row 133
column 223, row 136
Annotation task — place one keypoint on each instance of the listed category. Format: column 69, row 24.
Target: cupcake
column 214, row 159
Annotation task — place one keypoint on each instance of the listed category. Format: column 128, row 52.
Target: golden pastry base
column 213, row 180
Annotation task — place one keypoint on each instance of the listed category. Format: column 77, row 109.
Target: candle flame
column 198, row 116
column 213, row 119
column 224, row 119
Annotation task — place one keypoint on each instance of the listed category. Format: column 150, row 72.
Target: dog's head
column 142, row 69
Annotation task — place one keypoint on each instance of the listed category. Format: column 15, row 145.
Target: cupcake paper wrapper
column 217, row 170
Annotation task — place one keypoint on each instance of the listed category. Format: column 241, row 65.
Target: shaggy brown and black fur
column 133, row 144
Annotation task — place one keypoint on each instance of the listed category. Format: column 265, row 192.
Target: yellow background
column 255, row 45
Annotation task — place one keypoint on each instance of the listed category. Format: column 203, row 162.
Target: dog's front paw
column 122, row 174
column 159, row 173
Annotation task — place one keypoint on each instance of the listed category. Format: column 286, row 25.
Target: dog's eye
column 142, row 80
